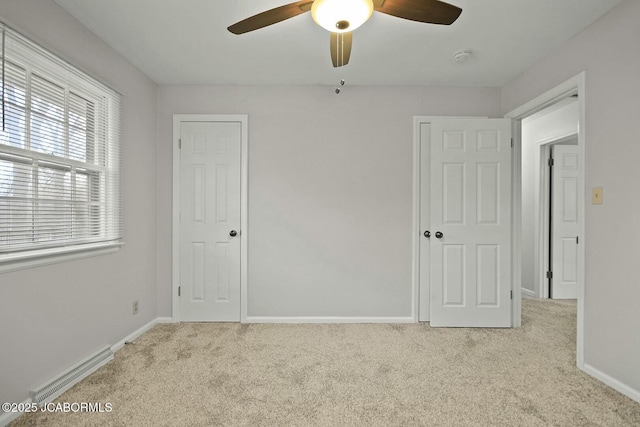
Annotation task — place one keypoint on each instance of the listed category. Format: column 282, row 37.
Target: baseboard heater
column 63, row 382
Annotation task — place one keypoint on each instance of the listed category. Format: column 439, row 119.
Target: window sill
column 23, row 261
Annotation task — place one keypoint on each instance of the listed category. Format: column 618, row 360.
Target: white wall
column 608, row 52
column 330, row 191
column 546, row 126
column 54, row 316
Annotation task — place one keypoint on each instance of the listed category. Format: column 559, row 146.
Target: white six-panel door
column 470, row 233
column 565, row 225
column 210, row 158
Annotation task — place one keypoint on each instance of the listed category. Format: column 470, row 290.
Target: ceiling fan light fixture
column 339, row 16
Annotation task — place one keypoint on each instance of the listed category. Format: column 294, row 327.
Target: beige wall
column 54, row 316
column 608, row 52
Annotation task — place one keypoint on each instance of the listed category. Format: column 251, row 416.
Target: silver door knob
column 233, row 233
column 427, row 234
column 439, row 235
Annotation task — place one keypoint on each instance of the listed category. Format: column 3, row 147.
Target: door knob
column 439, row 235
column 233, row 233
column 427, row 234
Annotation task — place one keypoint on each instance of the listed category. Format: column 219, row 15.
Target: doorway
column 554, row 125
column 560, row 237
column 573, row 90
column 209, row 218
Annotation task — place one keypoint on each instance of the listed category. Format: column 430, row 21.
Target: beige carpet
column 195, row 374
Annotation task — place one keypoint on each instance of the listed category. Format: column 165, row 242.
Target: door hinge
column 179, row 143
column 549, row 274
column 550, row 162
column 511, row 294
column 179, row 290
column 511, row 142
column 577, row 240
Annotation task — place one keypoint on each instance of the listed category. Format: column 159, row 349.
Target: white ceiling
column 187, row 42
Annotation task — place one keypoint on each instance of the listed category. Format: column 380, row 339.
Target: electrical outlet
column 135, row 307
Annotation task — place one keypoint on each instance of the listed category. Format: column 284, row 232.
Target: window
column 59, row 156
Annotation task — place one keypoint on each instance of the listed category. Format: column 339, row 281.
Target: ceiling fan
column 341, row 17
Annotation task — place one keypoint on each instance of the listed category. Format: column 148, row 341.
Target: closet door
column 210, row 165
column 470, row 223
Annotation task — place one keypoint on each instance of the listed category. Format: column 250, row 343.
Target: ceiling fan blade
column 341, row 48
column 429, row 11
column 270, row 17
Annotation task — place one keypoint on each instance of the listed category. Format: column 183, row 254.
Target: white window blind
column 59, row 155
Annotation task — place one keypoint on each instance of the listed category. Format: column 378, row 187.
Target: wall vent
column 63, row 382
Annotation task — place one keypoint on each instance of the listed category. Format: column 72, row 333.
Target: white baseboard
column 612, row 382
column 528, row 294
column 301, row 319
column 8, row 417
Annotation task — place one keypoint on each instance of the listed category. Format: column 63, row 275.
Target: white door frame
column 175, row 245
column 573, row 86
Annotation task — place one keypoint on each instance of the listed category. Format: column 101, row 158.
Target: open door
column 470, row 233
column 565, row 227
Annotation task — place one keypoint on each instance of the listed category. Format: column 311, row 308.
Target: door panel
column 453, row 280
column 452, row 194
column 565, row 226
column 471, row 208
column 209, row 209
column 487, row 180
column 488, row 274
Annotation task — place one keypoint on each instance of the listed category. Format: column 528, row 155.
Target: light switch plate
column 596, row 196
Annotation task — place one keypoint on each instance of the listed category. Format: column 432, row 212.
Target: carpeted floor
column 225, row 374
